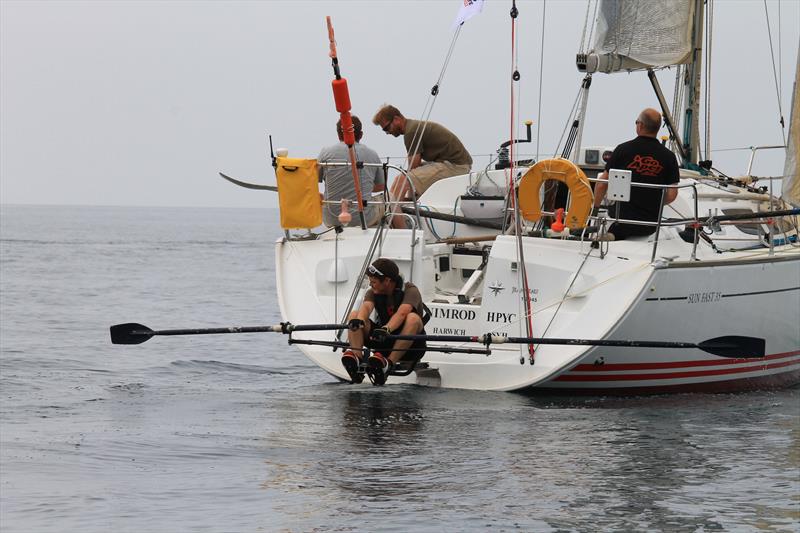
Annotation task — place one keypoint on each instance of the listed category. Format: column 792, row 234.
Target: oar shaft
column 209, row 331
column 133, row 333
column 501, row 339
column 278, row 328
column 597, row 342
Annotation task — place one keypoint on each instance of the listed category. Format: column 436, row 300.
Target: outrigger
column 733, row 346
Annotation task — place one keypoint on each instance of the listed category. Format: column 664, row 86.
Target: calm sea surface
column 243, row 433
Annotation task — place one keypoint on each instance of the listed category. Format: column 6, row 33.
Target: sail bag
column 298, row 193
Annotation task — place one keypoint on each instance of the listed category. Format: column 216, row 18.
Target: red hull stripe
column 675, row 375
column 616, row 367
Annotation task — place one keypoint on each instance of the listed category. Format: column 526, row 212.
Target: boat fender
column 565, row 171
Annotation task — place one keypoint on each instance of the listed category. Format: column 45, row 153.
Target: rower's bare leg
column 412, row 326
column 356, row 338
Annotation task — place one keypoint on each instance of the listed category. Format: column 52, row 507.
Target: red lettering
column 646, row 166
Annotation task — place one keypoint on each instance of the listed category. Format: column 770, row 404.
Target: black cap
column 385, row 268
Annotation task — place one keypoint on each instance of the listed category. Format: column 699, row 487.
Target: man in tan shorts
column 434, row 152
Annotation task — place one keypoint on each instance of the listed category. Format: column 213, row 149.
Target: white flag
column 469, row 8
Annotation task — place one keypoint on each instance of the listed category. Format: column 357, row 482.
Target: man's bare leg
column 356, row 338
column 398, row 193
column 412, row 326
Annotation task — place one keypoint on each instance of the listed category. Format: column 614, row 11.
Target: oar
column 133, row 333
column 247, row 185
column 735, row 346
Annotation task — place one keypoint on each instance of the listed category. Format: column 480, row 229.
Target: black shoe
column 378, row 368
column 351, row 363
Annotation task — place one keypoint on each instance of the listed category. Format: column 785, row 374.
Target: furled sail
column 635, row 34
column 791, row 172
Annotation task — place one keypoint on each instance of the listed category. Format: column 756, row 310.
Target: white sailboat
column 724, row 261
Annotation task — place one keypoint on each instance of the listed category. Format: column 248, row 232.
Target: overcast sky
column 142, row 103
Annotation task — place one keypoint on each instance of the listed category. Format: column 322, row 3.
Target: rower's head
column 384, row 276
column 357, row 131
column 648, row 123
column 390, row 120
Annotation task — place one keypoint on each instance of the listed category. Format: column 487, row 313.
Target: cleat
column 378, row 368
column 351, row 363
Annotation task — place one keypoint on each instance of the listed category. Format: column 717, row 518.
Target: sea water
column 242, row 433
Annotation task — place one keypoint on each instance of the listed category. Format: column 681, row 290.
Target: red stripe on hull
column 613, row 367
column 773, row 381
column 674, row 375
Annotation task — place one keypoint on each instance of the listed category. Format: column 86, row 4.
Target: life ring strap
column 568, row 173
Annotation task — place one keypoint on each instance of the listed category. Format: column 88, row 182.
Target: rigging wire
column 709, row 41
column 775, row 74
column 512, row 190
column 416, row 140
column 568, row 123
column 582, row 47
column 594, row 18
column 541, row 77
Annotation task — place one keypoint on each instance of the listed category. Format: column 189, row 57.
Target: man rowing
column 399, row 310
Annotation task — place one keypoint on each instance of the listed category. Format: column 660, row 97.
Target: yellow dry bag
column 298, row 193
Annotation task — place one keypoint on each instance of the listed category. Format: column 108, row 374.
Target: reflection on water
column 547, row 463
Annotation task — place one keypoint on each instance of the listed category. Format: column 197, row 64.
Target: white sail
column 639, row 34
column 791, row 171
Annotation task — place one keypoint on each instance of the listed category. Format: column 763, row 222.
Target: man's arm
column 380, row 180
column 670, row 195
column 399, row 317
column 415, row 161
column 600, row 188
column 365, row 310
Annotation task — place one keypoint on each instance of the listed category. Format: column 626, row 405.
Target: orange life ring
column 567, row 172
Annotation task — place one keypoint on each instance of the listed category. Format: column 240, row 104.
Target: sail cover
column 790, row 188
column 653, row 33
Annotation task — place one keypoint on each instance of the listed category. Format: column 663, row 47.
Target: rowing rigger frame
column 732, row 346
column 404, row 367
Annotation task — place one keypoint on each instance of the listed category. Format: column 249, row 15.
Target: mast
column 691, row 123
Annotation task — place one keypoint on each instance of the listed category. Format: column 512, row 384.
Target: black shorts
column 623, row 231
column 414, row 353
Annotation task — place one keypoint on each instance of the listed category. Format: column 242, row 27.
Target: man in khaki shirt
column 434, row 153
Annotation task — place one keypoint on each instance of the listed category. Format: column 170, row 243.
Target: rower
column 400, row 311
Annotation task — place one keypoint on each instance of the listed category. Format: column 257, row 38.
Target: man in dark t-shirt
column 650, row 162
column 400, row 310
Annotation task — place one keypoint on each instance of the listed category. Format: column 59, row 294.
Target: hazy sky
column 142, row 103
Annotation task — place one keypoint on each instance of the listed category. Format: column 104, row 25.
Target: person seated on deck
column 339, row 182
column 400, row 310
column 650, row 162
column 434, row 153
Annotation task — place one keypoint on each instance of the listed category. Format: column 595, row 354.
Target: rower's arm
column 399, row 317
column 365, row 310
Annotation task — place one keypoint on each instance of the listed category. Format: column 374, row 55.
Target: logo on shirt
column 646, row 166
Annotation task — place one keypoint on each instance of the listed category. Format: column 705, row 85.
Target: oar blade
column 735, row 346
column 130, row 333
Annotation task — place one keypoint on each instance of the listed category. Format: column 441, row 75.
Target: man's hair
column 650, row 120
column 385, row 114
column 356, row 128
column 389, row 270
